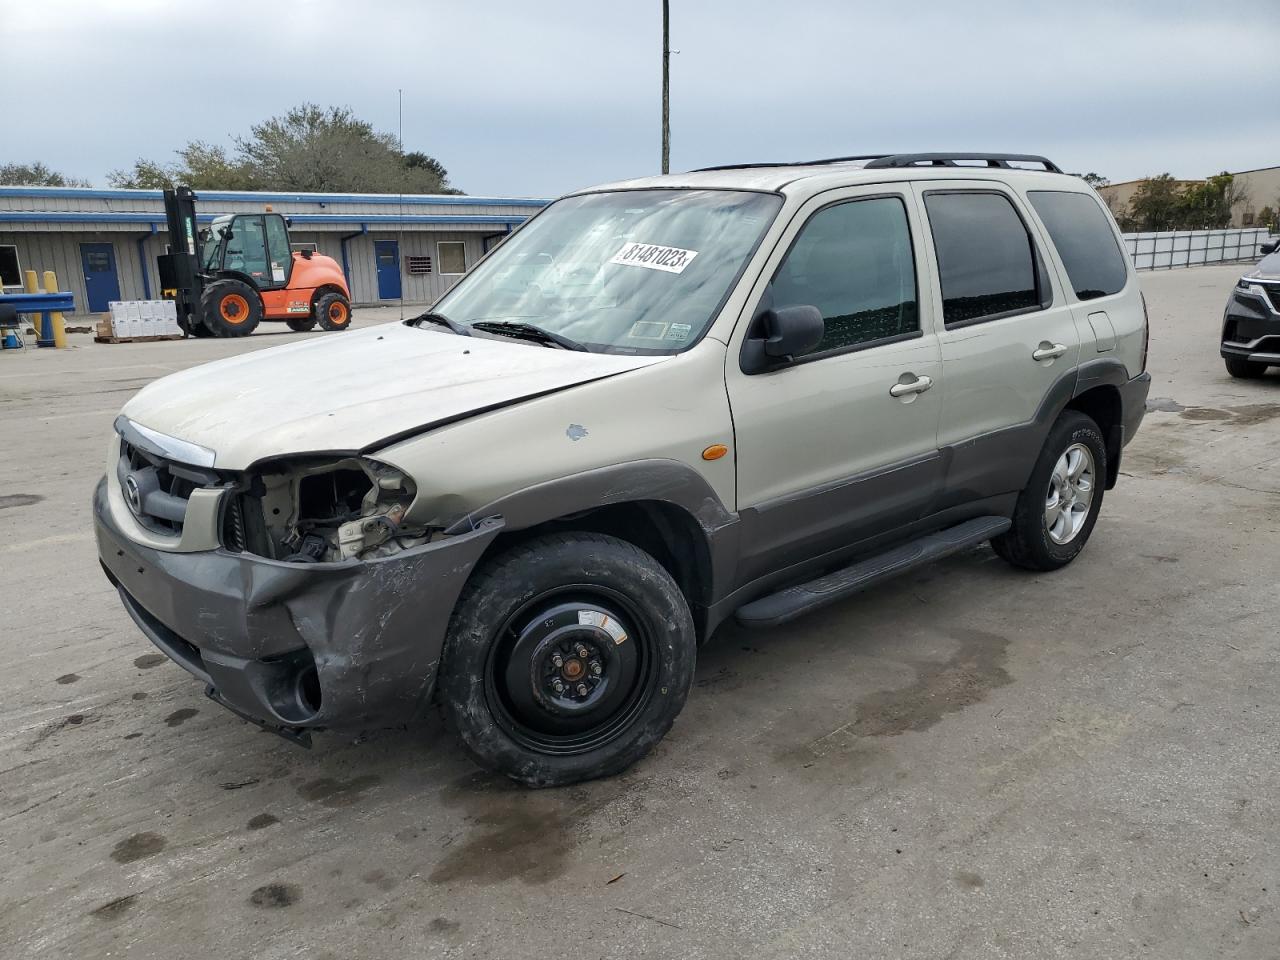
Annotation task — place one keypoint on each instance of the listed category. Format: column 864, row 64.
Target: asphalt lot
column 970, row 762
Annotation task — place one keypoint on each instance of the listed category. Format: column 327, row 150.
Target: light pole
column 666, row 86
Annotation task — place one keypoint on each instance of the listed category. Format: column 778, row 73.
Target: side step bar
column 786, row 605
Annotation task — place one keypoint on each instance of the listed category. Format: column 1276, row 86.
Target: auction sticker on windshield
column 654, row 257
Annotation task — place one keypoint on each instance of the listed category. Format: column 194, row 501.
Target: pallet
column 101, row 339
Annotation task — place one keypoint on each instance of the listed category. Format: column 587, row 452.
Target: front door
column 101, row 283
column 840, row 445
column 1008, row 337
column 386, row 254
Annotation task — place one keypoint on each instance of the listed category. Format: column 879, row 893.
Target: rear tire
column 568, row 658
column 301, row 324
column 1243, row 369
column 333, row 311
column 230, row 308
column 1058, row 508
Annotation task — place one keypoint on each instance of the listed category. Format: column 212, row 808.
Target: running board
column 785, row 605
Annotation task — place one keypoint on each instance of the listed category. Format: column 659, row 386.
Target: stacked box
column 144, row 318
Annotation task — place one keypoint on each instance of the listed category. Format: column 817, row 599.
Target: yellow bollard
column 59, row 334
column 32, row 285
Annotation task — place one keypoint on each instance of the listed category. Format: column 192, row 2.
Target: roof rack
column 879, row 160
column 1002, row 160
column 790, row 163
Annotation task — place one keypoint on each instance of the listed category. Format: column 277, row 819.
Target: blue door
column 386, row 254
column 100, row 280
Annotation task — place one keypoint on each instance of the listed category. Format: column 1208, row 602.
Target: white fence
column 1189, row 248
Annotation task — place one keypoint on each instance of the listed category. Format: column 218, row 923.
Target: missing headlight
column 316, row 510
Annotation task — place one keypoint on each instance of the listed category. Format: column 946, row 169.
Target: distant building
column 1261, row 189
column 103, row 243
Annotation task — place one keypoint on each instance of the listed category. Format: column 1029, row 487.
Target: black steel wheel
column 568, row 658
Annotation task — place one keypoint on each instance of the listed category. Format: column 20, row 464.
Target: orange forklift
column 240, row 270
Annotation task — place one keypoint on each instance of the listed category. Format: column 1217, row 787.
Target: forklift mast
column 180, row 277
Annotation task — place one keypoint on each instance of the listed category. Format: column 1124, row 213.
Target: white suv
column 740, row 392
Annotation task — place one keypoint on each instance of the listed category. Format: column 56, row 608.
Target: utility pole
column 666, row 86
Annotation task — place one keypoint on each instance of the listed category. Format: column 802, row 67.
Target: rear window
column 1085, row 241
column 986, row 259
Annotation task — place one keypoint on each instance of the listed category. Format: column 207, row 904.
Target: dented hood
column 355, row 390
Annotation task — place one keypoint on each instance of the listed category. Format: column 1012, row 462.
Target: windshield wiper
column 529, row 331
column 453, row 326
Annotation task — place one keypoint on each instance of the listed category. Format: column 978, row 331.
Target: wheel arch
column 663, row 507
column 1097, row 395
column 324, row 288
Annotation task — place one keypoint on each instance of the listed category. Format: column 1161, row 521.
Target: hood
column 351, row 391
column 1268, row 268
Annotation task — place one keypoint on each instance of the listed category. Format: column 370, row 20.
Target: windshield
column 213, row 243
column 640, row 271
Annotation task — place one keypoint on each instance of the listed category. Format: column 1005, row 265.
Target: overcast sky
column 539, row 98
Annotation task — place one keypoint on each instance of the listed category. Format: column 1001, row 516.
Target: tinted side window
column 278, row 247
column 986, row 259
column 1082, row 233
column 853, row 261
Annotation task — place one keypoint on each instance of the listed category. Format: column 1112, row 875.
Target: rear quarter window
column 1085, row 241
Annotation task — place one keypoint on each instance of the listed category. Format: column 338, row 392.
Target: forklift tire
column 194, row 328
column 230, row 308
column 333, row 311
column 301, row 324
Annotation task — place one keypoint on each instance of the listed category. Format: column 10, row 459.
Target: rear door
column 1008, row 339
column 831, row 449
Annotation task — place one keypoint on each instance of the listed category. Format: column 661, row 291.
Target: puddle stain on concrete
column 332, row 792
column 114, row 909
column 138, row 847
column 940, row 688
column 273, row 896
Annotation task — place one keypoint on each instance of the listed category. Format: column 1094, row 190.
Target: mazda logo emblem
column 132, row 494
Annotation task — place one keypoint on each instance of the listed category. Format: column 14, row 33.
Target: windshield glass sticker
column 647, row 330
column 654, row 257
column 679, row 331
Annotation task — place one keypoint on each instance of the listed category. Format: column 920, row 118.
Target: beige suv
column 741, row 392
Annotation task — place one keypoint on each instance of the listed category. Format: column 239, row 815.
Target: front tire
column 333, row 311
column 1058, row 508
column 568, row 658
column 1243, row 369
column 230, row 308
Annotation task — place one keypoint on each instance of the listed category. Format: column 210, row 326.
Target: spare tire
column 230, row 308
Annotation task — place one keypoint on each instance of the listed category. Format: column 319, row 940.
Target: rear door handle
column 918, row 385
column 1048, row 351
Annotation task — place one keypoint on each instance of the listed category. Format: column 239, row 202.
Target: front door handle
column 1049, row 351
column 918, row 385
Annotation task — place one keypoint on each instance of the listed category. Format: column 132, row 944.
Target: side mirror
column 781, row 334
column 1271, row 247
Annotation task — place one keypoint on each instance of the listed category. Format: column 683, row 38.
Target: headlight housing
column 313, row 509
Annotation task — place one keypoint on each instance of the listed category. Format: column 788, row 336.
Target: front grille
column 157, row 489
column 1273, row 294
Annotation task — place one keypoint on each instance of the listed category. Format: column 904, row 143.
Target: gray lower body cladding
column 349, row 645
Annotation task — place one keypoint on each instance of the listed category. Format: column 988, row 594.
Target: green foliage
column 1095, row 180
column 308, row 149
column 36, row 175
column 1161, row 203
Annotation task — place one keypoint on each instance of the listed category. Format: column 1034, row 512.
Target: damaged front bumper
column 295, row 646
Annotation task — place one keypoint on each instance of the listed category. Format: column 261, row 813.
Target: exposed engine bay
column 324, row 511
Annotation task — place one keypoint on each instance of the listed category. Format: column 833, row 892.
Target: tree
column 1095, row 180
column 36, row 175
column 1156, row 204
column 1208, row 205
column 310, row 148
